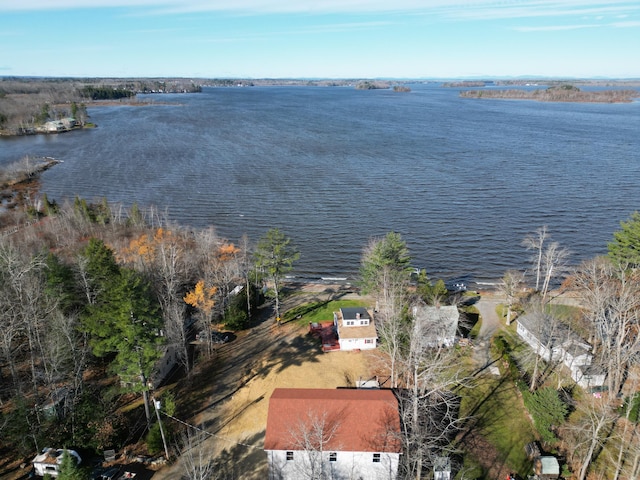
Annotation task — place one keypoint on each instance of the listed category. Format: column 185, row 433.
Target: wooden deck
column 327, row 334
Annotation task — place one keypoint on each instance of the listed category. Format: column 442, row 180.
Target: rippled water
column 462, row 180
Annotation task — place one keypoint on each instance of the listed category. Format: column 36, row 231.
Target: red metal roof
column 348, row 420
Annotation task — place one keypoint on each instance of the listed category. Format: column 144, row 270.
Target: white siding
column 347, row 465
column 357, row 344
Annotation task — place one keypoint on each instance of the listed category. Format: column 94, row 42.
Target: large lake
column 463, row 181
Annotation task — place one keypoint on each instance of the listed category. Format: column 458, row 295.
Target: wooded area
column 26, row 103
column 93, row 298
column 93, row 295
column 559, row 93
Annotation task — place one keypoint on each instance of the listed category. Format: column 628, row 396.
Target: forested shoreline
column 561, row 93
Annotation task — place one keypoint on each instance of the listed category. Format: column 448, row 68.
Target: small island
column 556, row 93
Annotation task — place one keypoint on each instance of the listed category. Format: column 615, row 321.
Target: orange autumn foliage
column 227, row 251
column 144, row 247
column 201, row 297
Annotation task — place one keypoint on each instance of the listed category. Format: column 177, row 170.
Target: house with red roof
column 333, row 434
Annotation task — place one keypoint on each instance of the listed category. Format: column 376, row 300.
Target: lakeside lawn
column 321, row 311
column 498, row 419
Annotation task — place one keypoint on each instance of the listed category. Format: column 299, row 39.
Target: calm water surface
column 462, row 180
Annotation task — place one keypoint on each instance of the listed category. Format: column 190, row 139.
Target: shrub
column 235, row 315
column 547, row 410
column 154, row 440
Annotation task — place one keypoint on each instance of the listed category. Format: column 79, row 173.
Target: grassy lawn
column 498, row 418
column 318, row 311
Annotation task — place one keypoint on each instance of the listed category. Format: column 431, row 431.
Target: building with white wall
column 333, row 434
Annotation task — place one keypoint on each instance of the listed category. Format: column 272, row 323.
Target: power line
column 209, row 433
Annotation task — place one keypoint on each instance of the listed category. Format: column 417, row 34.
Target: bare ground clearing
column 229, row 397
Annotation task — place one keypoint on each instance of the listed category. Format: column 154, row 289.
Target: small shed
column 442, row 468
column 546, row 467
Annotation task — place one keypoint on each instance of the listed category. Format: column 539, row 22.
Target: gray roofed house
column 556, row 342
column 546, row 467
column 438, row 325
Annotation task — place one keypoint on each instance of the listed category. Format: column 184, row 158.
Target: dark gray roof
column 349, row 313
column 552, row 332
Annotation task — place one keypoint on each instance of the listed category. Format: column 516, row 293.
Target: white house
column 437, row 325
column 48, row 461
column 332, row 434
column 355, row 329
column 556, row 342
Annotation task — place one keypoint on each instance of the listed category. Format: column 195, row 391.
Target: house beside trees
column 333, row 433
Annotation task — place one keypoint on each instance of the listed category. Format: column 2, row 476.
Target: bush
column 154, row 440
column 235, row 315
column 632, row 407
column 547, row 409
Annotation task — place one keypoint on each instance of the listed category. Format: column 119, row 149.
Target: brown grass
column 238, row 424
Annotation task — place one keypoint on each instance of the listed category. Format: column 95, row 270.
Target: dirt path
column 490, row 325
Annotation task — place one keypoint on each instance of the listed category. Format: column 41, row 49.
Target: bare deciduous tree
column 392, row 328
column 554, row 265
column 611, row 296
column 589, row 433
column 510, row 285
column 429, row 411
column 536, row 243
column 196, row 457
column 311, row 435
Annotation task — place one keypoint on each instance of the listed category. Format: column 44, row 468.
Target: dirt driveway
column 491, row 323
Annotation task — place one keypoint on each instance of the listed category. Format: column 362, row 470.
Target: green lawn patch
column 318, row 311
column 497, row 413
column 567, row 313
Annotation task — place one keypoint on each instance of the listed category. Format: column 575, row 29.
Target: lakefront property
column 95, row 297
column 352, row 329
column 556, row 343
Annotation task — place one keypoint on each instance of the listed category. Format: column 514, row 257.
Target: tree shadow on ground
column 492, row 416
column 291, row 352
column 246, row 460
column 311, row 305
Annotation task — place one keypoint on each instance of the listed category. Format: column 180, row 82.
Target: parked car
column 219, row 337
column 216, row 337
column 456, row 287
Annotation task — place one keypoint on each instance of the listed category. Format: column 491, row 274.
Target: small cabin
column 48, row 461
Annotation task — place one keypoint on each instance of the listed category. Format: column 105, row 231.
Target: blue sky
column 321, row 38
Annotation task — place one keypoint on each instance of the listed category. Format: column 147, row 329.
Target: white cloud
column 551, row 28
column 629, row 24
column 456, row 9
column 554, row 28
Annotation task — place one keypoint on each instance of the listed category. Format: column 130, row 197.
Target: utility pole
column 156, row 404
column 145, row 396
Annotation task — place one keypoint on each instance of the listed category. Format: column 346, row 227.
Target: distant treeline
column 560, row 93
column 106, row 93
column 29, row 102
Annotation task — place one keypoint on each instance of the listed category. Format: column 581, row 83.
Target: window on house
column 289, row 456
column 364, row 322
column 333, row 457
column 368, row 340
column 376, row 458
column 350, row 322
